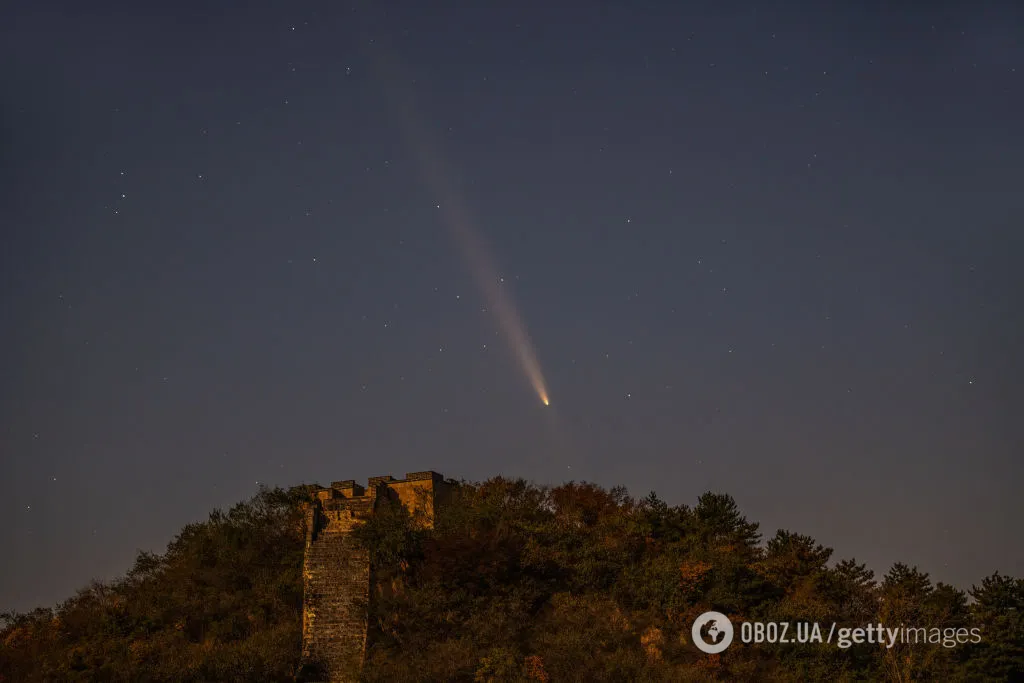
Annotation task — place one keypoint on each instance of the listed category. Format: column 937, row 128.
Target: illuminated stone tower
column 337, row 573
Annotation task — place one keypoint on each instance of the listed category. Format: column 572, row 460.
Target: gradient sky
column 769, row 251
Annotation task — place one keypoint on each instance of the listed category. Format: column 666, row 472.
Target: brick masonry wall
column 337, row 588
column 336, row 572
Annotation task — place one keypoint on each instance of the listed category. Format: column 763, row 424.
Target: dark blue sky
column 770, row 251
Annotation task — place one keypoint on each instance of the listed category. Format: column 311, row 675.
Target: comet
column 456, row 216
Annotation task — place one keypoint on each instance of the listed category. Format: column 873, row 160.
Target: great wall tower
column 337, row 574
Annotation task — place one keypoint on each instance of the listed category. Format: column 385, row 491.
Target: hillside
column 514, row 583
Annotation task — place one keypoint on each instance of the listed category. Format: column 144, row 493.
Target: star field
column 768, row 252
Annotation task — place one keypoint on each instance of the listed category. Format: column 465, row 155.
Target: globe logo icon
column 712, row 632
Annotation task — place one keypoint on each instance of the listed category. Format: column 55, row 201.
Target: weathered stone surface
column 336, row 572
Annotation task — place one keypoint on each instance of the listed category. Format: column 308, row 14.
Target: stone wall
column 337, row 573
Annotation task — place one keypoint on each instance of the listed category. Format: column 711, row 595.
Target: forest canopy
column 514, row 582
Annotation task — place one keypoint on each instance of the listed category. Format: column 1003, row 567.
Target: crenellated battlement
column 337, row 572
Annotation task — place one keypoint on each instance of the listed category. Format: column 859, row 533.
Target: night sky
column 771, row 251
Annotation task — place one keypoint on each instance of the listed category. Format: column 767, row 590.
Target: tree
column 223, row 603
column 514, row 582
column 998, row 611
column 721, row 526
column 928, row 614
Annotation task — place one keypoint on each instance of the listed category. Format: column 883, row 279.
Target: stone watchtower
column 336, row 572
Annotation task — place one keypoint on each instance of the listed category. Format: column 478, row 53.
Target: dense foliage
column 222, row 604
column 519, row 583
column 515, row 583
